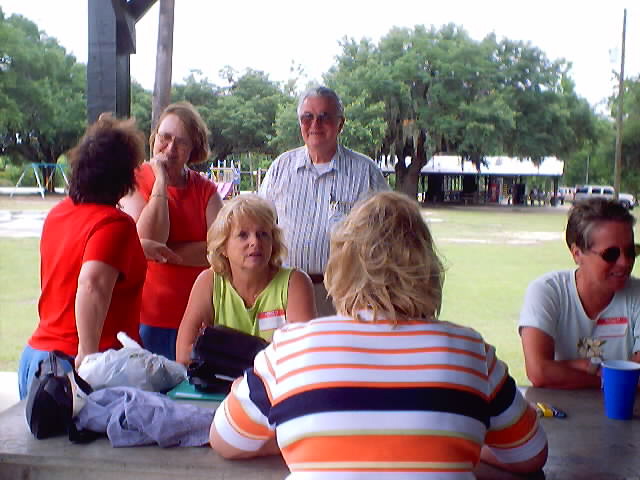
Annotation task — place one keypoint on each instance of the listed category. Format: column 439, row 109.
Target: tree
column 550, row 118
column 204, row 95
column 141, row 106
column 597, row 155
column 631, row 136
column 287, row 131
column 242, row 116
column 443, row 92
column 164, row 60
column 42, row 94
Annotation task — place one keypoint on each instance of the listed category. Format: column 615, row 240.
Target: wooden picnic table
column 585, row 446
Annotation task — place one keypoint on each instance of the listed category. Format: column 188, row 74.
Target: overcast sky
column 271, row 35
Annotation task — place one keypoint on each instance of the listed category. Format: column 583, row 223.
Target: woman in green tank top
column 246, row 287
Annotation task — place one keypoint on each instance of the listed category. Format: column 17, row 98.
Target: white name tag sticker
column 271, row 320
column 611, row 327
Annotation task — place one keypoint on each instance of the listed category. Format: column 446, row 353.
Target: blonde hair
column 383, row 259
column 247, row 206
column 195, row 126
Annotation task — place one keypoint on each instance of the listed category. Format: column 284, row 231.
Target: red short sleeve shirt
column 74, row 234
column 167, row 287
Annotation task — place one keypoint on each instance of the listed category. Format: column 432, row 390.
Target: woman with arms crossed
column 246, row 288
column 174, row 206
column 92, row 266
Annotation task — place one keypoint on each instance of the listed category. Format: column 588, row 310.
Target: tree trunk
column 407, row 178
column 48, row 173
column 409, row 185
column 164, row 54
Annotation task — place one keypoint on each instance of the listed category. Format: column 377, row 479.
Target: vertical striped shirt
column 309, row 204
column 361, row 400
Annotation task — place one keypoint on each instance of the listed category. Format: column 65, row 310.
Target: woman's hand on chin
column 159, row 164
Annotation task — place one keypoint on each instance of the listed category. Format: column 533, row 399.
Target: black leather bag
column 220, row 355
column 49, row 408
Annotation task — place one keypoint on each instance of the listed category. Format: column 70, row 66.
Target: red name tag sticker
column 611, row 327
column 271, row 320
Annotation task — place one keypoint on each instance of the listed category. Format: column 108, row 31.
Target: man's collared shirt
column 309, row 204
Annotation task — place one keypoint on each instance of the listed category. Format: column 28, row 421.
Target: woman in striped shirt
column 383, row 388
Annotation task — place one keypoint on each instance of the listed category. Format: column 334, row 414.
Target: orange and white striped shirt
column 360, row 399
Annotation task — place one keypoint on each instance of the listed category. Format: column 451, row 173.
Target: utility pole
column 586, row 174
column 618, row 165
column 164, row 55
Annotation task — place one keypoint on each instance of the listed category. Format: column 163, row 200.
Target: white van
column 584, row 192
column 566, row 194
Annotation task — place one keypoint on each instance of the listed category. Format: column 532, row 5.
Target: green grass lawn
column 19, row 291
column 490, row 254
column 490, row 257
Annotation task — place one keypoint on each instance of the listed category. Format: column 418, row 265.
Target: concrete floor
column 8, row 390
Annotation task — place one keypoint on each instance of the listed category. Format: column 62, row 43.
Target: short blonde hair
column 383, row 259
column 247, row 206
column 195, row 126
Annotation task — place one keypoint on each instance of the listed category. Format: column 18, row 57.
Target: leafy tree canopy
column 417, row 92
column 442, row 92
column 42, row 93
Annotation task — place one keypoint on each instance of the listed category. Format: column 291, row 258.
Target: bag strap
column 75, row 435
column 81, row 382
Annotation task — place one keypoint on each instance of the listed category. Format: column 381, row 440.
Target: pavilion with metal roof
column 500, row 179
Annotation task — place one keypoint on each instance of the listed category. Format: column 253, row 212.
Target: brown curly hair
column 104, row 161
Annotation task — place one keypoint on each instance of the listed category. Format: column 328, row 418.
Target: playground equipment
column 227, row 179
column 43, row 186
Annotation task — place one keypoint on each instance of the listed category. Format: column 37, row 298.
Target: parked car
column 627, row 200
column 589, row 191
column 564, row 194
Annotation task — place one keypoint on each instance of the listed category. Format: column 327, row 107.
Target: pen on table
column 547, row 410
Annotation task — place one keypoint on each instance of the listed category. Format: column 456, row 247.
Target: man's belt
column 316, row 277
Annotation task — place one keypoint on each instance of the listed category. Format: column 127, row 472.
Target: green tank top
column 267, row 313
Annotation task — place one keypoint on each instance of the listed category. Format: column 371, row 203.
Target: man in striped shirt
column 315, row 186
column 384, row 389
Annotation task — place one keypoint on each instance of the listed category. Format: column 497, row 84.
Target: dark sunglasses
column 611, row 254
column 307, row 119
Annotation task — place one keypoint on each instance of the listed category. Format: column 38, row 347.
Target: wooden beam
column 164, row 61
column 125, row 28
column 112, row 39
column 138, row 8
column 101, row 62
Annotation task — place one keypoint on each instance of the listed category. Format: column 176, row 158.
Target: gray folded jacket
column 132, row 417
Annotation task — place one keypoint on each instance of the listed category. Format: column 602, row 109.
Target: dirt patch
column 29, row 202
column 509, row 238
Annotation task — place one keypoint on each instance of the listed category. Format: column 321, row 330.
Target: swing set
column 46, row 181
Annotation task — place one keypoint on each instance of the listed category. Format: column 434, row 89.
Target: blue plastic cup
column 620, row 379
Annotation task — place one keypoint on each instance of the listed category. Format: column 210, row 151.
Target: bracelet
column 159, row 195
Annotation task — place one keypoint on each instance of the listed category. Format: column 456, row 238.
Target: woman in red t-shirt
column 174, row 206
column 92, row 266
